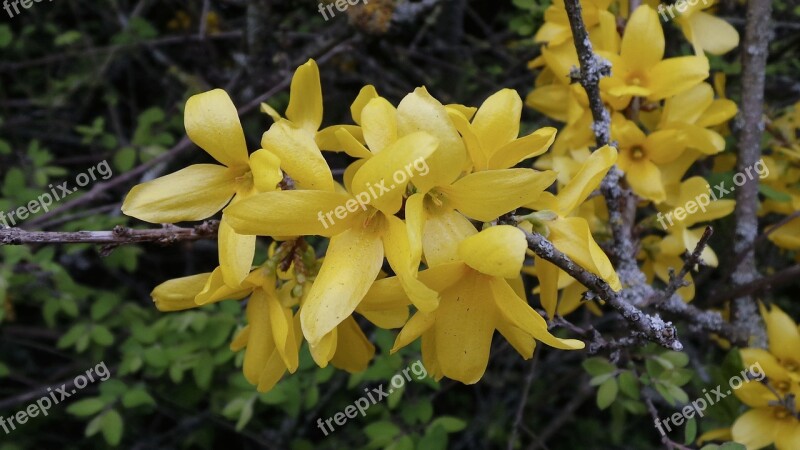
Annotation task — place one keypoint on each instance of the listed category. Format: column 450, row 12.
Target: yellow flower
column 694, row 112
column 773, row 419
column 705, row 31
column 640, row 156
column 572, row 235
column 477, row 300
column 201, row 190
column 556, row 30
column 640, row 70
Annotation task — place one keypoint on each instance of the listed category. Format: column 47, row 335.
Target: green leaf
column 598, row 366
column 732, row 446
column 70, row 37
column 125, row 159
column 600, row 379
column 448, row 424
column 435, row 439
column 203, row 371
column 404, row 443
column 772, row 194
column 690, row 431
column 137, row 397
column 86, row 407
column 5, row 148
column 629, row 385
column 69, row 338
column 245, row 414
column 102, row 336
column 381, row 433
column 677, row 359
column 607, row 393
column 5, row 35
column 4, row 372
column 112, row 427
column 102, row 306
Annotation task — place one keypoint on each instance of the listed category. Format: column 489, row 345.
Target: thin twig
column 118, row 236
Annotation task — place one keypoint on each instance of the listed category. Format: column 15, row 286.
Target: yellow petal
column 755, row 428
column 261, row 344
column 586, row 180
column 273, row 371
column 266, row 169
column 283, row 332
column 351, row 145
column 351, row 265
column 215, row 289
column 465, row 322
column 720, row 111
column 194, row 193
column 675, row 75
column 688, row 106
column 645, row 179
column 324, row 351
column 305, row 99
column 573, row 237
column 643, row 42
column 293, row 213
column 547, row 273
column 784, row 338
column 240, row 340
column 487, row 195
column 442, row 233
column 382, row 180
column 550, row 100
column 498, row 251
column 497, row 121
column 787, row 236
column 213, row 124
column 522, row 316
column 473, row 145
column 385, row 304
column 398, row 253
column 178, row 294
column 326, row 138
column 366, row 94
column 419, row 111
column 415, row 224
column 712, row 34
column 419, row 323
column 299, row 155
column 788, row 435
column 522, row 342
column 353, row 351
column 379, row 123
column 236, row 253
column 523, row 148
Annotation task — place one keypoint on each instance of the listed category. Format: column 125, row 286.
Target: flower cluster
column 664, row 117
column 452, row 260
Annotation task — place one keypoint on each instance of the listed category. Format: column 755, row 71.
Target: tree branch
column 754, row 60
column 118, row 236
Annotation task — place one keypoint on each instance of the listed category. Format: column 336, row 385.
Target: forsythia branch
column 118, row 236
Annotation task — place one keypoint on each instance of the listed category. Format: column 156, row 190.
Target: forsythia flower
column 774, row 417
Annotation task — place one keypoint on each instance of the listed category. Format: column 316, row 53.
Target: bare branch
column 118, row 236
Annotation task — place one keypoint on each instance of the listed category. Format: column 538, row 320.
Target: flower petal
column 498, row 251
column 586, row 180
column 573, row 237
column 643, row 42
column 353, row 351
column 379, row 124
column 260, row 344
column 194, row 193
column 299, row 155
column 266, row 169
column 712, row 34
column 283, row 332
column 419, row 111
column 675, row 75
column 515, row 311
column 487, row 195
column 292, row 213
column 213, row 124
column 236, row 253
column 755, row 428
column 305, row 98
column 465, row 323
column 497, row 121
column 351, row 265
column 442, row 233
column 178, row 294
column 383, row 178
column 523, row 148
column 398, row 253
